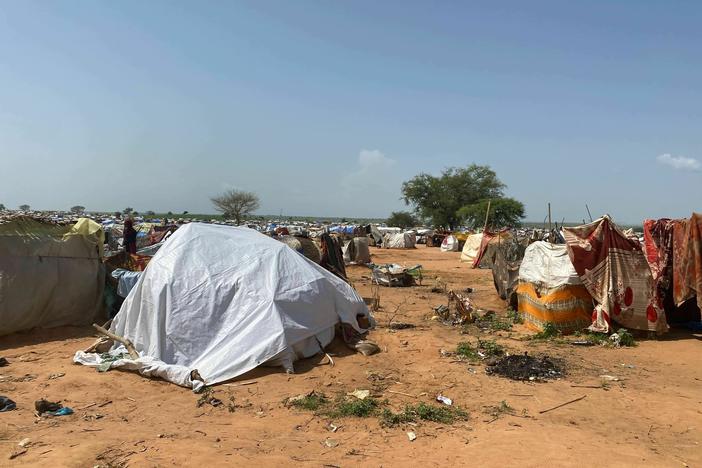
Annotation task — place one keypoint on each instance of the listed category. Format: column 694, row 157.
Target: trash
column 609, row 378
column 582, row 343
column 45, row 406
column 360, row 394
column 525, row 367
column 628, row 366
column 3, row 362
column 459, row 310
column 65, row 411
column 56, row 376
column 444, row 400
column 331, row 443
column 6, row 404
column 24, row 442
column 401, row 326
column 411, row 436
column 394, row 275
column 333, row 427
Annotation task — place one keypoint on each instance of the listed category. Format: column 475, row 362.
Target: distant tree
column 236, row 204
column 344, row 220
column 504, row 212
column 118, row 214
column 150, row 213
column 2, row 207
column 170, row 213
column 440, row 198
column 402, row 219
column 135, row 213
column 185, row 212
column 128, row 211
column 24, row 207
column 77, row 209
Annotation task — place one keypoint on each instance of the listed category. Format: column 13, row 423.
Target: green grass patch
column 548, row 333
column 345, row 407
column 423, row 412
column 491, row 348
column 465, row 350
column 313, row 401
column 514, row 316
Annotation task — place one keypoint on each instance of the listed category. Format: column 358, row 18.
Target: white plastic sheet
column 548, row 265
column 449, row 244
column 223, row 300
column 471, row 248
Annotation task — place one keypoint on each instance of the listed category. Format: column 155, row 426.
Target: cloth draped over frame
column 613, row 268
column 658, row 246
column 687, row 259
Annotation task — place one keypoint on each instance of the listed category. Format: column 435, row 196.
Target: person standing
column 130, row 236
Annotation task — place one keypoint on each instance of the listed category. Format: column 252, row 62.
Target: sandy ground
column 653, row 416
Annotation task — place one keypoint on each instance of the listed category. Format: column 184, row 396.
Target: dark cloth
column 332, row 256
column 130, row 237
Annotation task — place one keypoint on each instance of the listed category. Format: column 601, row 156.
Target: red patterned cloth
column 658, row 245
column 687, row 259
column 615, row 272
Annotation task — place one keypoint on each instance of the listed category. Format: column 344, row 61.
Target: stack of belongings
column 123, row 271
column 450, row 244
column 218, row 301
column 436, row 239
column 471, row 248
column 356, row 251
column 401, row 240
column 393, row 275
column 615, row 272
column 50, row 275
column 550, row 290
column 673, row 253
column 505, row 268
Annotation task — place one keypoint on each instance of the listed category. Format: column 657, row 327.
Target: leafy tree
column 185, row 212
column 118, row 214
column 77, row 209
column 236, row 204
column 440, row 198
column 2, row 207
column 24, row 207
column 170, row 213
column 504, row 212
column 150, row 213
column 402, row 219
column 128, row 210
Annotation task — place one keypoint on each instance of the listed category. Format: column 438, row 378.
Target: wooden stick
column 487, row 215
column 401, row 393
column 562, row 404
column 588, row 211
column 241, row 384
column 549, row 222
column 586, row 386
column 125, row 341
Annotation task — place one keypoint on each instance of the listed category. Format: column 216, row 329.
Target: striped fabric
column 568, row 307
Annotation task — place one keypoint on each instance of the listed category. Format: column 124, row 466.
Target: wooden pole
column 549, row 221
column 125, row 341
column 487, row 215
column 588, row 211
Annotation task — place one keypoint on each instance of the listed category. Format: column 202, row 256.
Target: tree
column 504, row 212
column 2, row 207
column 236, row 204
column 402, row 219
column 128, row 210
column 150, row 213
column 77, row 209
column 24, row 207
column 440, row 198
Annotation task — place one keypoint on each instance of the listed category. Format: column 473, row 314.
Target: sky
column 324, row 108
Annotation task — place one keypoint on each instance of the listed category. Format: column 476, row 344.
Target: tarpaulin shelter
column 488, row 246
column 50, row 275
column 402, row 240
column 223, row 300
column 550, row 290
column 450, row 244
column 614, row 270
column 356, row 251
column 471, row 249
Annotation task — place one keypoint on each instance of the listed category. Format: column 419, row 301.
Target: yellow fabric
column 568, row 308
column 89, row 228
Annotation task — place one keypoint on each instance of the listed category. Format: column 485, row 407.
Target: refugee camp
column 336, row 234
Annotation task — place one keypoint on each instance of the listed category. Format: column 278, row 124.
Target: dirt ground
column 652, row 416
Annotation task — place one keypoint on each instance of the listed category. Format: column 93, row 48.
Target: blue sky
column 324, row 108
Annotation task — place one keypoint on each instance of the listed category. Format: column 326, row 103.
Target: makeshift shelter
column 507, row 259
column 614, row 270
column 687, row 260
column 50, row 275
column 550, row 290
column 304, row 246
column 488, row 246
column 218, row 301
column 356, row 251
column 402, row 240
column 449, row 244
column 471, row 249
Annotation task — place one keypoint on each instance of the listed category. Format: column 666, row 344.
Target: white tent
column 403, row 240
column 471, row 248
column 223, row 300
column 449, row 244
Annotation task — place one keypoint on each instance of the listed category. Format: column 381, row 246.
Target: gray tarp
column 48, row 277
